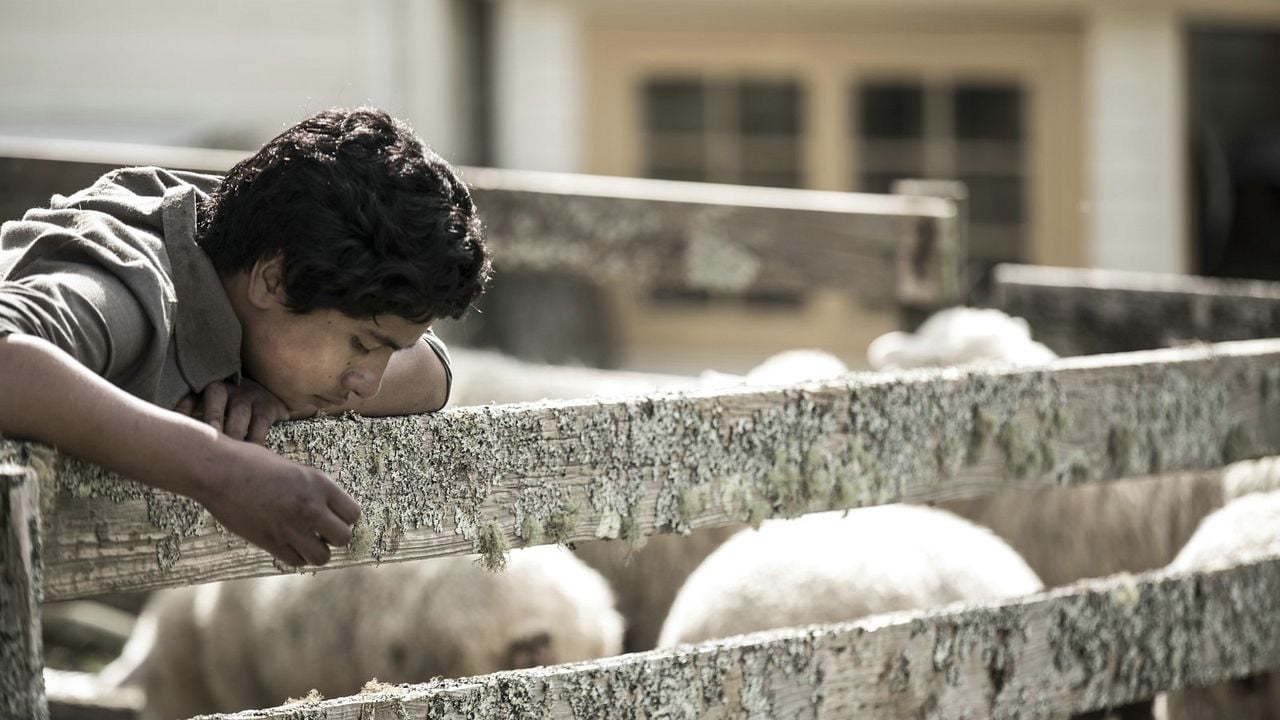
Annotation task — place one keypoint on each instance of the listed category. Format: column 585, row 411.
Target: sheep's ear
column 530, row 651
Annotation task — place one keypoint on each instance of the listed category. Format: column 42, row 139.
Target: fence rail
column 1101, row 643
column 1079, row 311
column 483, row 479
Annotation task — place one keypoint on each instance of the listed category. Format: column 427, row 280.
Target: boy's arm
column 416, row 381
column 288, row 509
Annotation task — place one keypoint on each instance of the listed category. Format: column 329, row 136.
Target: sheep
column 1245, row 528
column 645, row 580
column 960, row 336
column 1065, row 534
column 483, row 376
column 254, row 643
column 830, row 567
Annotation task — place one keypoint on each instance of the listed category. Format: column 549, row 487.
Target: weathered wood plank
column 21, row 648
column 482, row 479
column 695, row 235
column 1082, row 312
column 1098, row 644
column 933, row 272
column 719, row 238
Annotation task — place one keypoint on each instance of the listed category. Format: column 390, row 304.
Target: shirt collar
column 206, row 329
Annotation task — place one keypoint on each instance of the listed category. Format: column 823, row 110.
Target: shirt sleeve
column 442, row 352
column 84, row 310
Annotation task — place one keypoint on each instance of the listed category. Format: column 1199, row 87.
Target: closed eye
column 359, row 346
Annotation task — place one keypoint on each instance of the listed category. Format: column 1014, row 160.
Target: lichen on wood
column 1100, row 643
column 1078, row 311
column 717, row 239
column 455, row 481
column 22, row 693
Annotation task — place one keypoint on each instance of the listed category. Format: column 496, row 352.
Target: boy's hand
column 243, row 412
column 290, row 510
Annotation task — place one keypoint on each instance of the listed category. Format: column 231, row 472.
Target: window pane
column 879, row 182
column 676, row 157
column 890, row 110
column 774, row 162
column 988, row 112
column 994, row 198
column 675, row 106
column 769, row 108
column 989, row 157
column 899, row 156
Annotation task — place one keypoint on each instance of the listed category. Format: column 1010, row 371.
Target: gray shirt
column 113, row 276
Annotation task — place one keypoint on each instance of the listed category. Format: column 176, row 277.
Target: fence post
column 932, row 256
column 21, row 649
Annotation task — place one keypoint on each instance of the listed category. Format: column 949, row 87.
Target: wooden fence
column 483, row 479
column 489, row 478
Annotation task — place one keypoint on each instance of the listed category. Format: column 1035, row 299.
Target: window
column 743, row 131
column 962, row 130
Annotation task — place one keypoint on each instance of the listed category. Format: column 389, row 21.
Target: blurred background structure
column 1123, row 134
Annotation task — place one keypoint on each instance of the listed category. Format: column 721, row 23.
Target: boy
column 304, row 281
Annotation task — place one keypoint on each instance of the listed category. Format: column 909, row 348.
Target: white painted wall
column 1135, row 115
column 228, row 73
column 438, row 84
column 537, row 79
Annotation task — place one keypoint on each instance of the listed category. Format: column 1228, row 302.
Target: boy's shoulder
column 136, row 227
column 129, row 222
column 134, row 194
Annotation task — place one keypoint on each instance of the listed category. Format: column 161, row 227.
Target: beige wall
column 827, row 56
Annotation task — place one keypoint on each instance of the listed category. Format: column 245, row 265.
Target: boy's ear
column 265, row 287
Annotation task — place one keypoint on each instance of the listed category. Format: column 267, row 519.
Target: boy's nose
column 364, row 382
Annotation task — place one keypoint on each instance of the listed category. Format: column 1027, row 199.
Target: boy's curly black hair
column 366, row 219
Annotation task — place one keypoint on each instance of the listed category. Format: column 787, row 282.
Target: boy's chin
column 311, row 406
column 303, row 408
column 303, row 412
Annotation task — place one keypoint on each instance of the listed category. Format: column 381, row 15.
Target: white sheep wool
column 959, row 336
column 225, row 647
column 1245, row 528
column 830, row 567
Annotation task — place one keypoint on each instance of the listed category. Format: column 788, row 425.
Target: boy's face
column 318, row 360
column 323, row 359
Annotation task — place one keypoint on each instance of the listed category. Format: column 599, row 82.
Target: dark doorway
column 1235, row 150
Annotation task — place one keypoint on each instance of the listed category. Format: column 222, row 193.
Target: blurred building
column 1134, row 134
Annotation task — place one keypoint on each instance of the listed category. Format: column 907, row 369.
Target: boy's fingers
column 289, row 556
column 344, row 506
column 215, row 404
column 237, row 421
column 265, row 414
column 311, row 548
column 258, row 428
column 186, row 405
column 333, row 531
